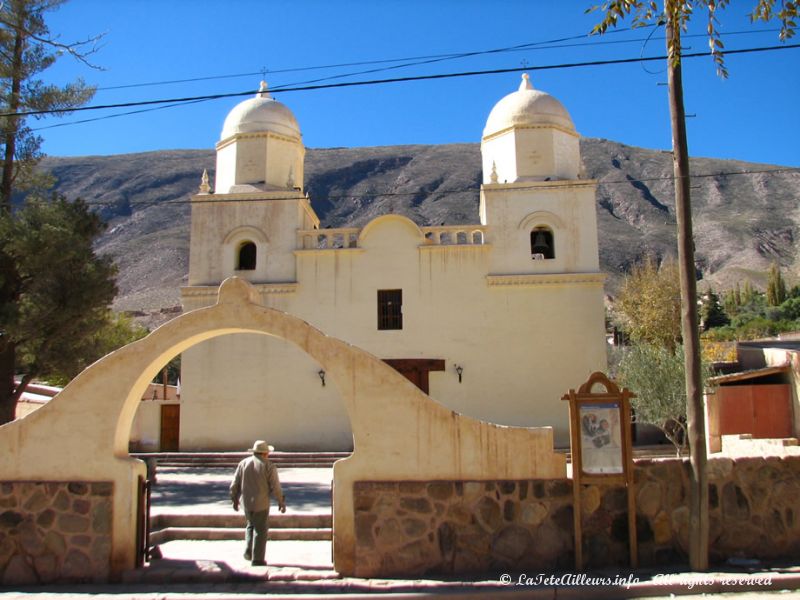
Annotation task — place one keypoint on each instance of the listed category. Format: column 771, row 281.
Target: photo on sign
column 601, row 439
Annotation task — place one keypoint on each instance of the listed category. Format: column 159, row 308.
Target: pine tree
column 27, row 49
column 65, row 288
column 711, row 313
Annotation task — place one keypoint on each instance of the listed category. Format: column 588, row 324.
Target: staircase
column 283, row 460
column 299, row 527
column 169, row 526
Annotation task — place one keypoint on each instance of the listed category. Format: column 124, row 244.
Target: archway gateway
column 66, row 472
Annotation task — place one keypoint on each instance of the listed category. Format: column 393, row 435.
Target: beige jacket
column 255, row 481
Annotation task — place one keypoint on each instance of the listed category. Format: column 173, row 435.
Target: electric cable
column 544, row 45
column 406, row 79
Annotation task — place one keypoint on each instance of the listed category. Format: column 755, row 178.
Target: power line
column 304, row 88
column 544, row 45
column 519, row 69
column 520, row 48
column 114, row 116
column 424, row 58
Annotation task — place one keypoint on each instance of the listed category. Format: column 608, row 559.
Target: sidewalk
column 782, row 581
column 215, row 569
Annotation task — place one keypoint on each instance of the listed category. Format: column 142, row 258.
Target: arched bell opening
column 542, row 244
column 246, row 257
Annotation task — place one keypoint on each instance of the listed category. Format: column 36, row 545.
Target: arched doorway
column 399, row 433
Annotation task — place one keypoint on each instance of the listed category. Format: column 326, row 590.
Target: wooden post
column 575, row 445
column 627, row 449
column 695, row 416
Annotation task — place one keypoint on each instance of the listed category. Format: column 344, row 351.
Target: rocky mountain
column 745, row 217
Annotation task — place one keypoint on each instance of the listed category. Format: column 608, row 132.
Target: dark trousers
column 256, row 533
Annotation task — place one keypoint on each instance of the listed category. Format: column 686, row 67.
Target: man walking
column 255, row 480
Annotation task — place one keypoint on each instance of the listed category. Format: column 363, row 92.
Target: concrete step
column 276, row 520
column 170, row 534
column 166, row 527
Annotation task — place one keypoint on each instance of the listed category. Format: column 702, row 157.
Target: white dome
column 527, row 106
column 260, row 114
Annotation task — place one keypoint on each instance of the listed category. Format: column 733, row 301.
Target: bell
column 540, row 245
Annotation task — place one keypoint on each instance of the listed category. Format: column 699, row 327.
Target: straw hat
column 261, row 447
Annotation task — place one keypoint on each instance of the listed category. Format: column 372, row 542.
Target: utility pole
column 696, row 425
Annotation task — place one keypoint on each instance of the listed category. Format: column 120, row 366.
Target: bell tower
column 247, row 226
column 541, row 214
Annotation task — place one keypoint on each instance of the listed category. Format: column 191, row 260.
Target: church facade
column 495, row 320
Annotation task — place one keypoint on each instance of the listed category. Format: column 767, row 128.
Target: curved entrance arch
column 398, row 431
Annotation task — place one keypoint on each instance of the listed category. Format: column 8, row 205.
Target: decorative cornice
column 497, row 134
column 204, row 291
column 592, row 279
column 523, row 185
column 258, row 134
column 274, row 196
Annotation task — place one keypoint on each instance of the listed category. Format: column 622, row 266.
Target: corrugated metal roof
column 744, row 375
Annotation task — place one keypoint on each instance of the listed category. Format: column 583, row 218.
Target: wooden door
column 416, row 370
column 170, row 427
column 765, row 411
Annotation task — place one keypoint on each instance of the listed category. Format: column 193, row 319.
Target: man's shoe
column 247, row 556
column 259, row 563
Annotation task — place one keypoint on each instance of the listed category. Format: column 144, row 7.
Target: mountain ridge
column 742, row 222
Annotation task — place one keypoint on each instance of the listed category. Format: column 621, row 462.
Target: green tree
column 675, row 17
column 790, row 309
column 63, row 290
column 173, row 369
column 749, row 294
column 27, row 48
column 776, row 287
column 648, row 304
column 117, row 330
column 656, row 375
column 711, row 313
column 730, row 303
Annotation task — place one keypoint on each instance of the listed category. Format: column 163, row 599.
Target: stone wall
column 752, row 508
column 55, row 531
column 446, row 527
column 411, row 528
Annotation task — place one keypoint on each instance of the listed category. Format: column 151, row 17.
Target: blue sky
column 751, row 116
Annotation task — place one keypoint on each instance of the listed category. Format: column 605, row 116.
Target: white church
column 495, row 320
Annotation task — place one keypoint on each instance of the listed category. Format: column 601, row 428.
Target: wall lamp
column 321, row 374
column 459, row 370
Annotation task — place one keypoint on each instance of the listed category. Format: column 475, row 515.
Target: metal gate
column 142, row 521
